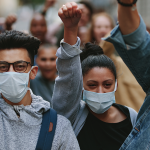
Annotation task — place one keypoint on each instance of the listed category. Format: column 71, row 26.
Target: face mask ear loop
column 31, row 69
column 28, row 80
column 115, row 86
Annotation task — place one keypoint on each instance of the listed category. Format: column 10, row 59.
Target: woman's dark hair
column 93, row 56
column 16, row 39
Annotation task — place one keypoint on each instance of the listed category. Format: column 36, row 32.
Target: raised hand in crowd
column 48, row 4
column 10, row 20
column 70, row 15
column 128, row 17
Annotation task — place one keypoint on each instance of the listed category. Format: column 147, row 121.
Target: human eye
column 20, row 66
column 108, row 85
column 43, row 59
column 92, row 86
column 3, row 67
column 53, row 59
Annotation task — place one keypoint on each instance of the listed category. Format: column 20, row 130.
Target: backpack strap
column 47, row 131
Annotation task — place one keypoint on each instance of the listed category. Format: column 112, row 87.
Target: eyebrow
column 108, row 80
column 91, row 81
column 96, row 81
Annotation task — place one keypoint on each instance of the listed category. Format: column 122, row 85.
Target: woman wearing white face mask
column 107, row 124
column 99, row 123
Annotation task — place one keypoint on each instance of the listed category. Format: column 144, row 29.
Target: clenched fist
column 70, row 14
column 10, row 20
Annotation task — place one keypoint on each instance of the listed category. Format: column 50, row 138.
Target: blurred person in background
column 43, row 84
column 102, row 24
column 87, row 12
column 38, row 27
column 129, row 92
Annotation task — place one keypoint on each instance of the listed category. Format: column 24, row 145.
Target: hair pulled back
column 93, row 56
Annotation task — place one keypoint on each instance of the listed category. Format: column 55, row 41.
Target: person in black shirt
column 107, row 124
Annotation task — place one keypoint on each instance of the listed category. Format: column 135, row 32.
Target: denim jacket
column 134, row 49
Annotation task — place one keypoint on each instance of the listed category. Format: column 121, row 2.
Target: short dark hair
column 88, row 5
column 47, row 46
column 93, row 56
column 16, row 39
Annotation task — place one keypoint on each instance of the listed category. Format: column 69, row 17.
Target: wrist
column 8, row 27
column 126, row 3
column 70, row 35
column 70, row 29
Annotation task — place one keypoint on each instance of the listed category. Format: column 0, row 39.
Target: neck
column 25, row 101
column 112, row 115
column 51, row 79
column 101, row 116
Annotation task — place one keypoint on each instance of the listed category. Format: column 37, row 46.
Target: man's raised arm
column 128, row 17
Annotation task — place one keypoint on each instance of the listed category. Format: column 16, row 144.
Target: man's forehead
column 15, row 54
column 47, row 51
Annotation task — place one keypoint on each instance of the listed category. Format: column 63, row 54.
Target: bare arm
column 129, row 19
column 48, row 4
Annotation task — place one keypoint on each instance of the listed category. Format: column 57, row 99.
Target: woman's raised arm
column 68, row 87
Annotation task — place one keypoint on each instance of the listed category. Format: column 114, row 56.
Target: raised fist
column 70, row 14
column 48, row 4
column 10, row 20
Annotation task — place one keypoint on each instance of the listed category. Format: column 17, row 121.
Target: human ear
column 33, row 72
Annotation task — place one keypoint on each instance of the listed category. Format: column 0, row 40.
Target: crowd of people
column 76, row 85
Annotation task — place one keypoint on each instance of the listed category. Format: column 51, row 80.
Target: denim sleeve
column 68, row 86
column 134, row 49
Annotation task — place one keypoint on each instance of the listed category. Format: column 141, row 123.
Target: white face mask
column 99, row 102
column 14, row 85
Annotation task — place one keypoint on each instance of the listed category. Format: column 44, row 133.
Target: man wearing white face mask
column 24, row 116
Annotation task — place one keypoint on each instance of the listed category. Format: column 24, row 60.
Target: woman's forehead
column 99, row 74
